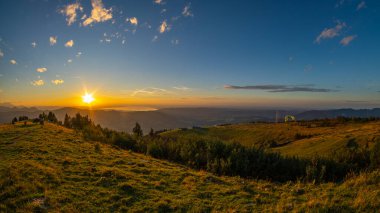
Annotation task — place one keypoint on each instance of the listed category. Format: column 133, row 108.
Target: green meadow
column 53, row 169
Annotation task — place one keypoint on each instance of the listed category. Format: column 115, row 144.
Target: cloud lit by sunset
column 185, row 53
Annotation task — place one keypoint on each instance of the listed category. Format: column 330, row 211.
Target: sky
column 181, row 53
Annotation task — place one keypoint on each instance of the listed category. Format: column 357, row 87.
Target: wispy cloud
column 1, row 54
column 98, row 13
column 13, row 62
column 164, row 27
column 356, row 101
column 41, row 69
column 158, row 1
column 34, row 44
column 347, row 40
column 186, row 11
column 133, row 20
column 308, row 68
column 328, row 33
column 79, row 54
column 182, row 88
column 53, row 40
column 150, row 91
column 69, row 43
column 281, row 88
column 38, row 83
column 57, row 81
column 361, row 5
column 175, row 41
column 69, row 60
column 70, row 11
column 155, row 38
column 339, row 3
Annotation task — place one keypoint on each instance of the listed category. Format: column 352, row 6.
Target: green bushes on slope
column 232, row 159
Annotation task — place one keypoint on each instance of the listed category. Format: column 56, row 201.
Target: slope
column 50, row 168
column 289, row 138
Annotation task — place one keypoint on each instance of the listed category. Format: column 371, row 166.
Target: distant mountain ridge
column 171, row 118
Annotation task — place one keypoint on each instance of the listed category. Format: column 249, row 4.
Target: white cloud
column 347, row 40
column 158, row 1
column 53, row 40
column 79, row 54
column 175, row 41
column 182, row 88
column 13, row 62
column 69, row 43
column 164, row 27
column 361, row 5
column 150, row 91
column 69, row 61
column 186, row 11
column 339, row 3
column 57, row 81
column 155, row 38
column 331, row 32
column 133, row 20
column 98, row 13
column 38, row 83
column 41, row 69
column 70, row 11
column 308, row 68
column 34, row 44
column 1, row 54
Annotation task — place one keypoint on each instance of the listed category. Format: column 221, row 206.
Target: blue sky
column 312, row 54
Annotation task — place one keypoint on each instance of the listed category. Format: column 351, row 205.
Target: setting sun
column 87, row 98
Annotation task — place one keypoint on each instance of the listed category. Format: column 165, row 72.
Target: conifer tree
column 137, row 131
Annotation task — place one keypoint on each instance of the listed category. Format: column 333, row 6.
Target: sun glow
column 88, row 98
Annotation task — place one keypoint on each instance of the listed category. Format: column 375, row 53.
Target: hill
column 51, row 168
column 172, row 118
column 297, row 139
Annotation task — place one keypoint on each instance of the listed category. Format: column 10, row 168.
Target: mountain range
column 171, row 118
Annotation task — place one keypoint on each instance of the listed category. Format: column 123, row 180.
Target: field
column 289, row 138
column 51, row 168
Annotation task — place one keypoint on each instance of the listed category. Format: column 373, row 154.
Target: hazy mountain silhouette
column 171, row 118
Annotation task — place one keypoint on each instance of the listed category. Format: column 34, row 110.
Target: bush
column 375, row 156
column 97, row 148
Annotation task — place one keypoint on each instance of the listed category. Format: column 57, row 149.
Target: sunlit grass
column 51, row 168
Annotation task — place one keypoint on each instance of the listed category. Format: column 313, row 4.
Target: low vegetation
column 233, row 159
column 52, row 168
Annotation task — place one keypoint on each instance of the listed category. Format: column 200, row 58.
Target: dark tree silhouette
column 151, row 132
column 67, row 122
column 14, row 120
column 51, row 118
column 137, row 131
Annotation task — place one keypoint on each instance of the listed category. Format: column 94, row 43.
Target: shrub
column 97, row 148
column 375, row 156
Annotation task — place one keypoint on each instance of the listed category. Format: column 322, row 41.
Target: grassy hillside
column 51, row 168
column 289, row 139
